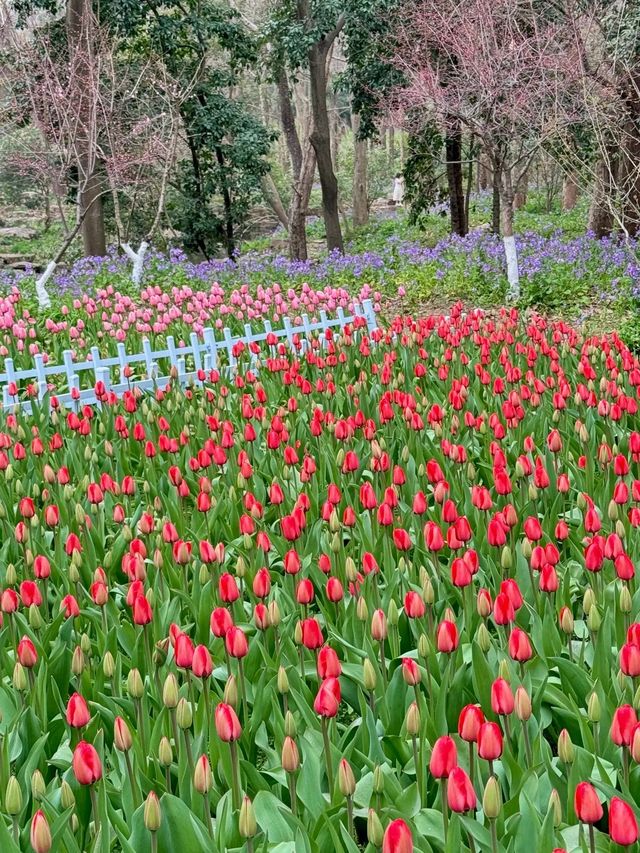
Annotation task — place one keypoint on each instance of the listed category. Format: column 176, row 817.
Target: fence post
column 212, row 345
column 370, row 315
column 99, row 371
column 195, row 346
column 7, row 399
column 175, row 360
column 40, row 375
column 229, row 342
column 286, row 325
column 249, row 338
column 122, row 359
column 73, row 380
column 151, row 367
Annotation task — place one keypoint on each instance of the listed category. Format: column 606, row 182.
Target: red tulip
column 221, row 621
column 379, row 625
column 9, row 601
column 328, row 698
column 328, row 663
column 87, row 767
column 447, row 637
column 503, row 612
column 586, row 803
column 30, row 594
column 410, row 672
column 236, row 642
column 397, row 838
column 444, row 757
column 69, row 606
column 183, row 651
column 228, row 588
column 262, row 583
column 311, row 634
column 40, row 835
column 502, row 701
column 334, row 590
column 520, row 646
column 460, row 794
column 623, row 826
column 622, row 724
column 490, row 741
column 228, row 726
column 51, row 515
column 532, row 529
column 414, row 605
column 202, row 665
column 41, row 567
column 77, row 712
column 401, row 539
column 26, row 508
column 142, row 613
column 27, row 654
column 469, row 722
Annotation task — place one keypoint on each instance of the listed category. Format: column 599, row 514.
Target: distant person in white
column 398, row 189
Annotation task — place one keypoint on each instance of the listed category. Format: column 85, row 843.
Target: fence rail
column 204, row 353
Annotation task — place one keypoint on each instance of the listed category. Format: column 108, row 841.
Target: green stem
column 417, row 766
column 445, row 809
column 383, row 664
column 132, row 781
column 494, row 836
column 527, row 743
column 207, row 813
column 94, row 806
column 187, row 745
column 350, row 817
column 292, row 793
column 154, row 842
column 327, row 755
column 16, row 829
column 243, row 693
column 235, row 775
column 174, row 727
column 592, row 839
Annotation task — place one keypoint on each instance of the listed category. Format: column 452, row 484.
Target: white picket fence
column 203, row 353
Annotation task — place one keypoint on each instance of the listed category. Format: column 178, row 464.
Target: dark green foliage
column 423, row 172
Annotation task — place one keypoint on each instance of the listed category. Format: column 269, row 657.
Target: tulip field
column 376, row 593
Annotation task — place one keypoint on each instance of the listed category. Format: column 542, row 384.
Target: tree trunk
column 79, row 39
column 321, row 140
column 299, row 205
column 510, row 251
column 360, row 196
column 272, row 198
column 287, row 119
column 391, row 150
column 630, row 164
column 229, row 240
column 483, row 174
column 467, row 196
column 600, row 213
column 453, row 153
column 496, row 201
column 520, row 197
column 569, row 194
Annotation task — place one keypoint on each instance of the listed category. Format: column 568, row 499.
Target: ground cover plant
column 583, row 279
column 376, row 594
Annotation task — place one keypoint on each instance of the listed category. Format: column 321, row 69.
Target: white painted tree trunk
column 138, row 260
column 41, row 291
column 513, row 274
column 510, row 251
